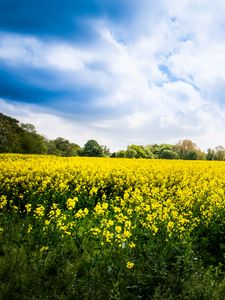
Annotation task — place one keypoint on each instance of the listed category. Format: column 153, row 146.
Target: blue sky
column 120, row 72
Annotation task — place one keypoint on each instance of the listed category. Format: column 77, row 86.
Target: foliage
column 63, row 147
column 219, row 153
column 90, row 228
column 23, row 138
column 92, row 149
column 137, row 151
column 186, row 149
column 20, row 138
column 9, row 134
column 210, row 155
column 31, row 141
column 120, row 153
column 169, row 154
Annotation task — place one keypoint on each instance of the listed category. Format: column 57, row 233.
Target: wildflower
column 71, row 203
column 118, row 229
column 29, row 229
column 28, row 207
column 132, row 245
column 3, row 201
column 39, row 211
column 130, row 265
column 44, row 248
column 47, row 222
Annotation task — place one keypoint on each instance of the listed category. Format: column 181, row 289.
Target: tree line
column 16, row 137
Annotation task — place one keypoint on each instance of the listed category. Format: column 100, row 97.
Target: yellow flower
column 39, row 211
column 132, row 245
column 47, row 222
column 130, row 265
column 44, row 248
column 81, row 213
column 28, row 207
column 100, row 209
column 95, row 231
column 71, row 203
column 118, row 229
column 29, row 229
column 3, row 201
column 126, row 234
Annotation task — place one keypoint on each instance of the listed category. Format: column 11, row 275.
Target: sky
column 120, row 72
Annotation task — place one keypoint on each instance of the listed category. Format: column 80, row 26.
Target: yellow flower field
column 120, row 196
column 121, row 204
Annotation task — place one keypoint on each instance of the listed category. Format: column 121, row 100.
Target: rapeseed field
column 95, row 228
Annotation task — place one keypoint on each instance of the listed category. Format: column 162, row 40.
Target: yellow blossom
column 130, row 265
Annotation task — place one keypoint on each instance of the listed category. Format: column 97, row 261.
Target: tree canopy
column 17, row 137
column 92, row 148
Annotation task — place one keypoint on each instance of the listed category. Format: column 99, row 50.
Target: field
column 98, row 228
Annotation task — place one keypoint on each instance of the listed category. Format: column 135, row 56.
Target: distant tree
column 130, row 153
column 200, row 154
column 148, row 151
column 186, row 149
column 220, row 153
column 92, row 148
column 23, row 138
column 169, row 154
column 155, row 149
column 20, row 138
column 106, row 151
column 163, row 151
column 191, row 155
column 51, row 148
column 31, row 141
column 211, row 154
column 63, row 147
column 74, row 149
column 136, row 151
column 28, row 128
column 121, row 153
column 10, row 133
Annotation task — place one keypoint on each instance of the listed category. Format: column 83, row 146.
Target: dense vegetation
column 98, row 228
column 23, row 138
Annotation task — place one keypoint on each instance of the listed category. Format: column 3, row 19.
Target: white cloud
column 161, row 81
column 31, row 51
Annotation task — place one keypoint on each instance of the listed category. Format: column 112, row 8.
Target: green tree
column 165, row 151
column 63, row 147
column 32, row 144
column 169, row 154
column 10, row 133
column 31, row 141
column 155, row 149
column 137, row 151
column 211, row 154
column 186, row 149
column 148, row 151
column 28, row 128
column 92, row 148
column 106, row 151
column 220, row 153
column 120, row 153
column 130, row 152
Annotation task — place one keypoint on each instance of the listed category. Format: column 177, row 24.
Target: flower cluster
column 116, row 201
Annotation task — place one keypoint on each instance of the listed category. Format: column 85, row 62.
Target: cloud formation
column 133, row 72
